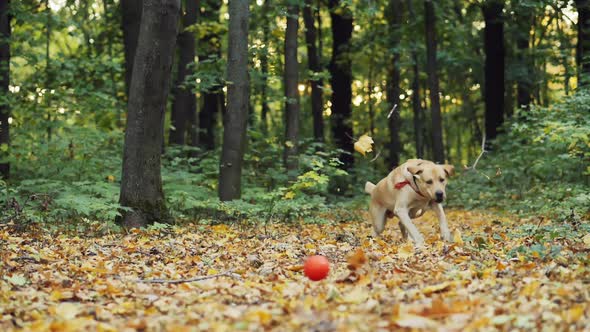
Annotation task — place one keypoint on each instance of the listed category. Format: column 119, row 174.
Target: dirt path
column 494, row 277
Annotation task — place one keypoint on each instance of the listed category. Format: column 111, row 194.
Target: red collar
column 400, row 185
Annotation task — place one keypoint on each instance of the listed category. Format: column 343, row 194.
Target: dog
column 407, row 192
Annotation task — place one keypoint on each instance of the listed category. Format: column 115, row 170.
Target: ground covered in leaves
column 247, row 277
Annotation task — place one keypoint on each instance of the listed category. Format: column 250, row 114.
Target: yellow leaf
column 531, row 288
column 212, row 272
column 406, row 250
column 436, row 288
column 364, row 144
column 67, row 310
column 586, row 240
column 574, row 314
column 457, row 237
column 289, row 195
column 111, row 178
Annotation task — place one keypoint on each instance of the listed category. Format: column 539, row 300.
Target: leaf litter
column 225, row 277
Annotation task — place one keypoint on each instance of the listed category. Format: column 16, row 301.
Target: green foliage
column 539, row 166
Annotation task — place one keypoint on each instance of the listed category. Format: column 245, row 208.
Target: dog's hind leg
column 378, row 219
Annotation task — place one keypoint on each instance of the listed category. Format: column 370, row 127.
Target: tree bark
column 494, row 67
column 141, row 182
column 291, row 92
column 264, row 65
column 4, row 84
column 236, row 118
column 431, row 69
column 416, row 107
column 313, row 61
column 583, row 47
column 213, row 99
column 131, row 18
column 184, row 103
column 341, row 80
column 394, row 18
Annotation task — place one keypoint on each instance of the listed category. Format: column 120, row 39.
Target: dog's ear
column 449, row 169
column 415, row 170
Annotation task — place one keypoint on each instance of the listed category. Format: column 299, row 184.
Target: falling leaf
column 364, row 144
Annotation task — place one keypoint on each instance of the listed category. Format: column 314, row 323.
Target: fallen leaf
column 457, row 237
column 16, row 280
column 436, row 288
column 357, row 259
column 414, row 321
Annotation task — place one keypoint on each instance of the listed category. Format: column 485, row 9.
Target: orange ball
column 316, row 267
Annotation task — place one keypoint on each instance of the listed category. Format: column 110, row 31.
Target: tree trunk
column 291, row 92
column 235, row 120
column 48, row 80
column 131, row 18
column 394, row 18
column 524, row 85
column 494, row 67
column 4, row 83
column 213, row 99
column 583, row 47
column 431, row 69
column 313, row 61
column 141, row 182
column 264, row 65
column 341, row 80
column 184, row 103
column 417, row 109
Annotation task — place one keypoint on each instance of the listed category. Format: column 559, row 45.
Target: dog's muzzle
column 439, row 196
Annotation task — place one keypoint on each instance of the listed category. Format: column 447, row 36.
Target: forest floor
column 492, row 277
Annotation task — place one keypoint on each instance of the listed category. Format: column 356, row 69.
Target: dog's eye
column 429, row 181
column 442, row 180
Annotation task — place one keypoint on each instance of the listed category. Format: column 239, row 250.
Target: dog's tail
column 369, row 187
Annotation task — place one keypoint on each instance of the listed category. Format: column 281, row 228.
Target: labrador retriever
column 407, row 192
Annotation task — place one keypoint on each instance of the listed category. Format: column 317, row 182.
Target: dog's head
column 431, row 179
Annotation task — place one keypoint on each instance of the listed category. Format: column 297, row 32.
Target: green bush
column 541, row 165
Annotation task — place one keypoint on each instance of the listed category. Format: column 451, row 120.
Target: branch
column 483, row 150
column 181, row 281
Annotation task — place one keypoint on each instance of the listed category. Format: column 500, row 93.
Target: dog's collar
column 402, row 184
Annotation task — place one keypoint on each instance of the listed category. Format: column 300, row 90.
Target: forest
column 199, row 164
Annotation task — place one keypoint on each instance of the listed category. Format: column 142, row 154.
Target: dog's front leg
column 377, row 213
column 404, row 216
column 442, row 220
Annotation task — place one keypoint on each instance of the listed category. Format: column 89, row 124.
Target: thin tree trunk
column 235, row 120
column 184, row 102
column 583, row 47
column 394, row 18
column 291, row 92
column 264, row 65
column 4, row 84
column 131, row 18
column 523, row 91
column 341, row 80
column 107, row 25
column 141, row 182
column 315, row 67
column 47, row 95
column 431, row 69
column 416, row 92
column 494, row 67
column 213, row 99
column 370, row 84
